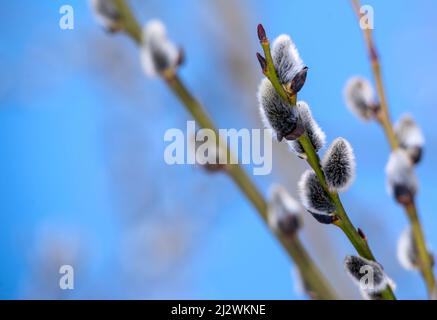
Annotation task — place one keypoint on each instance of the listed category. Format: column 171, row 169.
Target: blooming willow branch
column 319, row 187
column 406, row 142
column 160, row 57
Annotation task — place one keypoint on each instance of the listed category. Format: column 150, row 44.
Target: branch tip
column 261, row 33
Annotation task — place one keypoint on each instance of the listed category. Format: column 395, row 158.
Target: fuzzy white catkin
column 406, row 250
column 360, row 269
column 339, row 165
column 410, row 136
column 408, row 255
column 400, row 173
column 312, row 128
column 408, row 132
column 312, row 195
column 267, row 96
column 276, row 113
column 360, row 98
column 158, row 53
column 106, row 13
column 286, row 58
column 283, row 212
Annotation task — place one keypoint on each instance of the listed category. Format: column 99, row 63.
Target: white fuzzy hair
column 359, row 97
column 157, row 51
column 106, row 13
column 339, row 165
column 286, row 58
column 312, row 128
column 400, row 171
column 406, row 250
column 281, row 204
column 408, row 132
column 312, row 195
column 354, row 265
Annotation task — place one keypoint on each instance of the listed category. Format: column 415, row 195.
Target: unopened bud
column 262, row 62
column 261, row 33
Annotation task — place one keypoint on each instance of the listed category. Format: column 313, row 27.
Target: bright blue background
column 82, row 179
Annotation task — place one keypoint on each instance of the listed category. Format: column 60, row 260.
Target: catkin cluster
column 293, row 122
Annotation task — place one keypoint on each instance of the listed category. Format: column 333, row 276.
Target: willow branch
column 425, row 262
column 343, row 222
column 313, row 278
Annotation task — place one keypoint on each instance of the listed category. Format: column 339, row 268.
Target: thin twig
column 312, row 276
column 425, row 263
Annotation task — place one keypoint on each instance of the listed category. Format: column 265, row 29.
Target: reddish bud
column 373, row 54
column 262, row 61
column 299, row 80
column 261, row 33
column 361, row 233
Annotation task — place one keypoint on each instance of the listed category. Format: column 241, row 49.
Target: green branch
column 343, row 222
column 312, row 276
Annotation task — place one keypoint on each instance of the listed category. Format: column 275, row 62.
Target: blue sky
column 82, row 128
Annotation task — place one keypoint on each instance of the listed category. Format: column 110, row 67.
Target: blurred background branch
column 425, row 264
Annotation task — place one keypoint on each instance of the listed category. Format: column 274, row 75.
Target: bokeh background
column 82, row 176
